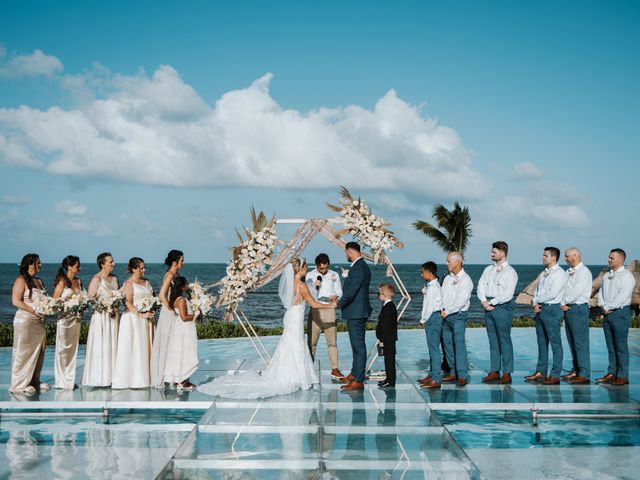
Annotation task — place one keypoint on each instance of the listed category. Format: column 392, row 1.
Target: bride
column 291, row 367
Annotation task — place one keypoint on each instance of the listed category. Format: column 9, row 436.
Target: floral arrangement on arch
column 364, row 225
column 248, row 262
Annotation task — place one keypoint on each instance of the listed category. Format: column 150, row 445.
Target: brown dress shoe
column 551, row 381
column 348, row 379
column 536, row 377
column 492, row 377
column 569, row 376
column 449, row 378
column 426, row 379
column 620, row 381
column 337, row 374
column 608, row 378
column 506, row 378
column 353, row 386
column 462, row 382
column 431, row 384
column 577, row 380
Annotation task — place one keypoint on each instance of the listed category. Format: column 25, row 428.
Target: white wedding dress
column 291, row 367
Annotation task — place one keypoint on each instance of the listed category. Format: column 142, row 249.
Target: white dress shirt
column 578, row 290
column 497, row 282
column 551, row 284
column 329, row 287
column 432, row 300
column 456, row 292
column 616, row 290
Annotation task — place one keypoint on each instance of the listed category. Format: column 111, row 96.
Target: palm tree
column 453, row 229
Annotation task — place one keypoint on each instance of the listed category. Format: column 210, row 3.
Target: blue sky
column 141, row 127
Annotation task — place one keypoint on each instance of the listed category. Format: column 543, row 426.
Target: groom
column 356, row 310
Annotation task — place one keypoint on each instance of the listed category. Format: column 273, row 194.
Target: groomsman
column 431, row 319
column 546, row 305
column 324, row 285
column 495, row 291
column 456, row 292
column 614, row 298
column 575, row 305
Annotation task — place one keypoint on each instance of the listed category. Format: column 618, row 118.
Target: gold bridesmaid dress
column 67, row 339
column 29, row 340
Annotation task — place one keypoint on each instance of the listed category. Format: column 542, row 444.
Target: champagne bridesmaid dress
column 134, row 345
column 67, row 339
column 102, row 342
column 29, row 339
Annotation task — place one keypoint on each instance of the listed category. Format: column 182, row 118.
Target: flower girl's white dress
column 290, row 369
column 182, row 350
column 134, row 345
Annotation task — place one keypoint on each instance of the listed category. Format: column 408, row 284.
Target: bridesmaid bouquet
column 73, row 304
column 108, row 303
column 147, row 304
column 201, row 301
column 44, row 305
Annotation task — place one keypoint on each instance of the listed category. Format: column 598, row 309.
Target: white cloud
column 158, row 130
column 567, row 216
column 13, row 200
column 526, row 171
column 33, row 64
column 69, row 207
column 8, row 217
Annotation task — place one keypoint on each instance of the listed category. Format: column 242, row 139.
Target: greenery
column 453, row 229
column 212, row 329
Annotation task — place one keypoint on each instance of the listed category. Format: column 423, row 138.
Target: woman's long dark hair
column 61, row 274
column 173, row 256
column 176, row 289
column 28, row 260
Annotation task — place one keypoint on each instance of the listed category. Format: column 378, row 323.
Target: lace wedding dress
column 291, row 367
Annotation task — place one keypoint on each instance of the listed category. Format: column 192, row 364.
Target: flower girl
column 182, row 351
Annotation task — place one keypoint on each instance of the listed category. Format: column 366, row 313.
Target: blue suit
column 356, row 309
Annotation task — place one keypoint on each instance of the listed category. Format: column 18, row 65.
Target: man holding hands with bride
column 356, row 310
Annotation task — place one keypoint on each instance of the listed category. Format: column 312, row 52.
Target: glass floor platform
column 480, row 431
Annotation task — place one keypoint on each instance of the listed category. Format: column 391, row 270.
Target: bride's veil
column 285, row 288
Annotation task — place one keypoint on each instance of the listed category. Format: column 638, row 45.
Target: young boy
column 387, row 332
column 432, row 321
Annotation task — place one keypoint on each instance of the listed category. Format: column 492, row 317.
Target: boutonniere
column 572, row 272
column 345, row 272
column 455, row 280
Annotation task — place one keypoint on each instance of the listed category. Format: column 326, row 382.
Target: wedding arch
column 247, row 270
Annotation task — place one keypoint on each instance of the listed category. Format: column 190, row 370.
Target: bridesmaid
column 68, row 326
column 29, row 336
column 102, row 339
column 166, row 321
column 182, row 352
column 136, row 329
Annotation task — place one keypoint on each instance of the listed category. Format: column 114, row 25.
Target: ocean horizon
column 263, row 306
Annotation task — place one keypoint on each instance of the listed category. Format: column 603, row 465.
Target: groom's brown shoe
column 353, row 386
column 348, row 379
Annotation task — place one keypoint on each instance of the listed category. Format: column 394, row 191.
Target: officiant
column 324, row 285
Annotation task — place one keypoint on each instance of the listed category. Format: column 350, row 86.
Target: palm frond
column 434, row 234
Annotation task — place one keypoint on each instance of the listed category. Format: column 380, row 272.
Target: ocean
column 263, row 306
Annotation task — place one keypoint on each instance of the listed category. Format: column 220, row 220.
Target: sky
column 138, row 127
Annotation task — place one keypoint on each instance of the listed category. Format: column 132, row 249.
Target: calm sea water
column 263, row 306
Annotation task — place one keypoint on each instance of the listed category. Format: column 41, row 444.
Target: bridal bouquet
column 201, row 301
column 74, row 303
column 249, row 260
column 108, row 303
column 367, row 227
column 44, row 305
column 147, row 304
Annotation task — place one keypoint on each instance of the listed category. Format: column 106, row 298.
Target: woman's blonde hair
column 298, row 264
